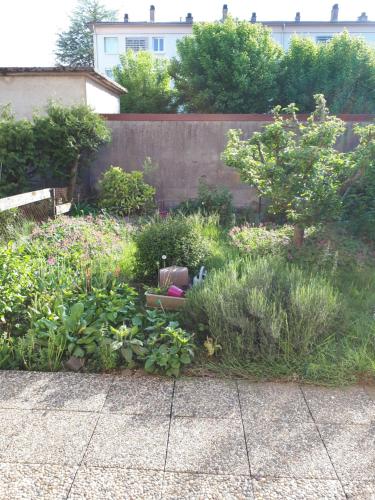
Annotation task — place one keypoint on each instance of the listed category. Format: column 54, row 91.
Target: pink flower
column 51, row 261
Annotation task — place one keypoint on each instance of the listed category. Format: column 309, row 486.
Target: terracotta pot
column 164, row 302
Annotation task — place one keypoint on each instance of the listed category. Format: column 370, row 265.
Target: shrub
column 211, row 200
column 261, row 241
column 178, row 238
column 265, row 309
column 125, row 193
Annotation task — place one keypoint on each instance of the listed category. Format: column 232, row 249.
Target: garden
column 287, row 293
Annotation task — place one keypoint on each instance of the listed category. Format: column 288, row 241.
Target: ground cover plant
column 65, row 293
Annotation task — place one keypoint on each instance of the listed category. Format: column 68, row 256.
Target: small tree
column 148, row 82
column 65, row 139
column 75, row 47
column 295, row 165
column 228, row 67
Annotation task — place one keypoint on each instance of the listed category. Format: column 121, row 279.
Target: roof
column 266, row 23
column 66, row 70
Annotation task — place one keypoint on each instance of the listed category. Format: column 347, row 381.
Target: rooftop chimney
column 363, row 18
column 126, row 18
column 189, row 18
column 152, row 13
column 298, row 17
column 335, row 13
column 225, row 12
column 253, row 17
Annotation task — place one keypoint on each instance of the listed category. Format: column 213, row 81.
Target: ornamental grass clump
column 266, row 310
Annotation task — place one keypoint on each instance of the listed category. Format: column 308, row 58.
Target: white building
column 29, row 90
column 113, row 38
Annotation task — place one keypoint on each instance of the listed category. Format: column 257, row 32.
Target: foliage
column 211, row 200
column 17, row 152
column 125, row 193
column 342, row 69
column 294, row 164
column 227, row 67
column 261, row 241
column 147, row 81
column 75, row 47
column 176, row 237
column 359, row 199
column 63, row 294
column 65, row 139
column 265, row 309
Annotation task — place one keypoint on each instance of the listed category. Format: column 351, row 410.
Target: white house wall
column 100, row 99
column 280, row 32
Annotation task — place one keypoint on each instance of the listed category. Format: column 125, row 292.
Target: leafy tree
column 359, row 193
column 65, row 139
column 75, row 47
column 148, row 82
column 342, row 69
column 227, row 67
column 16, row 153
column 296, row 166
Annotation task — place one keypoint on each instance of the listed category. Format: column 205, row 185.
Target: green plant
column 148, row 82
column 177, row 237
column 266, row 310
column 75, row 47
column 262, row 241
column 211, row 200
column 227, row 67
column 125, row 193
column 296, row 166
column 169, row 350
column 342, row 69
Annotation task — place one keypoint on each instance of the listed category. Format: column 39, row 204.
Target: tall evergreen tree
column 74, row 47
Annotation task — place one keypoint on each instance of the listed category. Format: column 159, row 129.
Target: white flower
column 163, row 257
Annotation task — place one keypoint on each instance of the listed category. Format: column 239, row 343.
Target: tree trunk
column 298, row 236
column 73, row 179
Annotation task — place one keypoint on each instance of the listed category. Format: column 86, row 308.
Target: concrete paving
column 85, row 436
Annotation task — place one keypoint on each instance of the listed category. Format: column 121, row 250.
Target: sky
column 28, row 28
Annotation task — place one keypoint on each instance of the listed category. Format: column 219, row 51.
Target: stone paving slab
column 129, row 441
column 294, row 450
column 140, row 396
column 212, row 446
column 74, row 392
column 297, row 489
column 99, row 483
column 206, row 397
column 273, row 401
column 183, row 486
column 118, row 437
column 51, row 437
column 12, row 422
column 21, row 390
column 352, row 450
column 42, row 482
column 345, row 405
column 360, row 490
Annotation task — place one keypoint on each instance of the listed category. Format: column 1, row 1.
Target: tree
column 65, row 139
column 148, row 82
column 296, row 166
column 227, row 67
column 75, row 46
column 342, row 69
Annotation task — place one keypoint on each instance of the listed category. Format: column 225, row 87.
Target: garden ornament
column 200, row 277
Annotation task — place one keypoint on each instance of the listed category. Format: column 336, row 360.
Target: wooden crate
column 165, row 302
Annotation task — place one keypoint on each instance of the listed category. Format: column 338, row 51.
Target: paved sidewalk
column 83, row 436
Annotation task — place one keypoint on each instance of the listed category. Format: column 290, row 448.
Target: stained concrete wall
column 186, row 148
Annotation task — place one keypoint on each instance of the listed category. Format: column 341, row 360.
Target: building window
column 136, row 44
column 323, row 39
column 158, row 44
column 111, row 44
column 109, row 73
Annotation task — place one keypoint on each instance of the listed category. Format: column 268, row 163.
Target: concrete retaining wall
column 186, row 148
